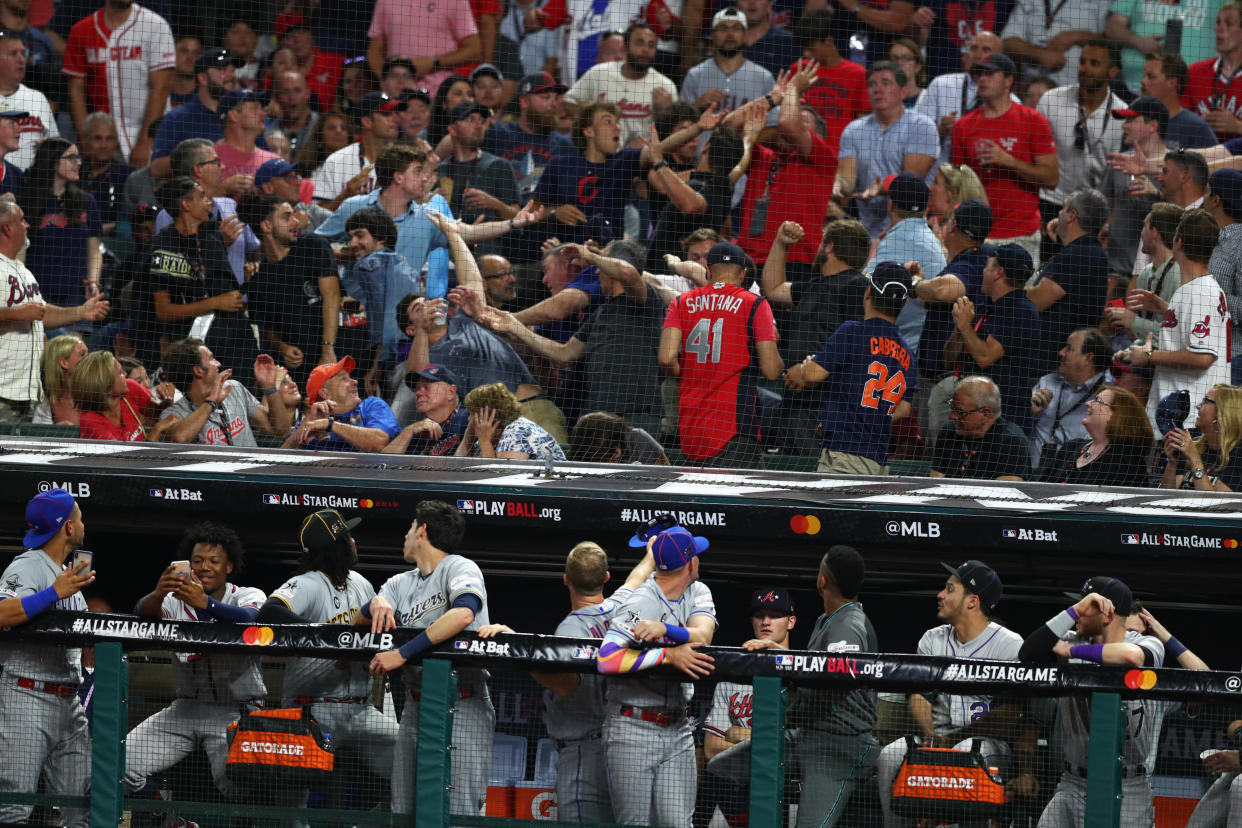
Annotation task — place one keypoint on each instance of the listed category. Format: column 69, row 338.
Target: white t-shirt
column 21, row 343
column 337, row 169
column 1197, row 320
column 36, row 126
column 605, row 82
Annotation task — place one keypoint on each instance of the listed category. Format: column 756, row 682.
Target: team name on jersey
column 707, row 302
column 19, row 293
column 114, row 53
column 423, row 606
column 883, row 346
column 742, row 708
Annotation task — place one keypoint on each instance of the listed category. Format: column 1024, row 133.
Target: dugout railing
column 124, row 667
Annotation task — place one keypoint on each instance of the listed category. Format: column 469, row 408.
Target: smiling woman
column 112, row 407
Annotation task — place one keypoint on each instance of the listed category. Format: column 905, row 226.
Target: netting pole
column 767, row 754
column 1104, row 769
column 109, row 701
column 435, row 736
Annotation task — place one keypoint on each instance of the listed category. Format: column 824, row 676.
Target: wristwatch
column 1198, row 474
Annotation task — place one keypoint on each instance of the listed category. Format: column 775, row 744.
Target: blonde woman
column 112, row 406
column 1214, row 461
column 497, row 424
column 60, row 356
column 953, row 184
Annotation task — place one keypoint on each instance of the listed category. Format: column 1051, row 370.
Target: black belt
column 305, row 700
column 593, row 736
column 1127, row 773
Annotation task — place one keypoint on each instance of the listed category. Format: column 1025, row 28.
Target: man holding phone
column 211, row 688
column 41, row 718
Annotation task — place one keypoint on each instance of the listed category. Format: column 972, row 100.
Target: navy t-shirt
column 454, row 428
column 586, row 281
column 938, row 325
column 957, row 21
column 1081, row 269
column 598, row 190
column 1013, row 320
column 57, row 252
column 528, row 154
column 870, row 370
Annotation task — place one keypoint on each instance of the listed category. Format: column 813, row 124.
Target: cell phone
column 80, row 555
column 182, row 568
column 1172, row 41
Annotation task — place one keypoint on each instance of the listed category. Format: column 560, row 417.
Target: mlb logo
column 156, row 492
column 271, row 500
column 583, row 652
column 784, row 661
column 1010, row 533
column 465, row 505
column 1130, row 539
column 461, row 645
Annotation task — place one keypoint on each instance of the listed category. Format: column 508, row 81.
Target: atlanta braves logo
column 19, row 293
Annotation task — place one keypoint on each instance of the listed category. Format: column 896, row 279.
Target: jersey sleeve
column 20, row 580
column 161, row 51
column 927, row 643
column 73, row 63
column 465, row 578
column 1154, row 647
column 701, row 602
column 249, row 597
column 764, row 325
column 717, row 721
column 835, row 347
column 303, row 595
column 672, row 316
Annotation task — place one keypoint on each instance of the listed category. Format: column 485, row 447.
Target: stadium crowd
column 995, row 238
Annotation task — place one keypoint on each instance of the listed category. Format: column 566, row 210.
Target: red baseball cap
column 324, row 373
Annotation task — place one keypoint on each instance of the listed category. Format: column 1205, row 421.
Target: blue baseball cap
column 234, row 98
column 673, row 548
column 45, row 514
column 974, row 218
column 1227, row 186
column 275, row 168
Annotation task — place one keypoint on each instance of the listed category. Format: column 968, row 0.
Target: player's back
column 870, row 369
column 719, row 366
column 581, row 713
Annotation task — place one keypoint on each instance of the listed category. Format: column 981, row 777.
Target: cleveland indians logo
column 1202, row 329
column 1170, row 318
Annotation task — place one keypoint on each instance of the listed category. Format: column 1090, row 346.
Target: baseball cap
column 10, row 34
column 727, row 252
column 274, row 168
column 673, row 548
column 974, row 218
column 486, row 69
column 467, row 108
column 412, row 94
column 1013, row 259
column 540, row 82
column 996, row 62
column 217, row 58
column 6, row 112
column 1227, row 186
column 773, row 599
column 234, row 98
column 907, row 192
column 653, row 527
column 980, row 579
column 729, row 16
column 324, row 373
column 432, row 373
column 325, row 527
column 890, row 279
column 1113, row 589
column 373, row 102
column 1148, row 108
column 45, row 514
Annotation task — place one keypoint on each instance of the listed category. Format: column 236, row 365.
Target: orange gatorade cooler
column 531, row 800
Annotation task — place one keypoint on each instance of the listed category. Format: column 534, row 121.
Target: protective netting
column 972, row 239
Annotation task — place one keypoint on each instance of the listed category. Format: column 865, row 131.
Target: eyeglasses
column 72, row 158
column 1208, row 401
column 962, row 412
column 1099, row 401
column 213, row 162
column 501, row 275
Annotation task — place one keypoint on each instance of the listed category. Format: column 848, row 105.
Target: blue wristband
column 1088, row 652
column 415, row 645
column 32, row 605
column 365, row 610
column 1174, row 648
column 1072, row 613
column 678, row 635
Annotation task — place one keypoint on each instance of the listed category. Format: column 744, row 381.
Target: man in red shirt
column 1010, row 146
column 321, row 69
column 1215, row 87
column 782, row 182
column 839, row 93
column 717, row 339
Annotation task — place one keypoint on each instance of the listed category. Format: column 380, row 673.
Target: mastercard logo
column 805, row 525
column 1230, row 543
column 1140, row 679
column 366, row 504
column 262, row 636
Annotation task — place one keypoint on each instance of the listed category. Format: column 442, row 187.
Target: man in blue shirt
column 587, row 189
column 869, row 371
column 531, row 142
column 215, row 71
column 353, row 424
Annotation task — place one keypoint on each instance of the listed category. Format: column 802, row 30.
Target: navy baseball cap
column 45, row 514
column 373, row 102
column 996, row 62
column 5, row 112
column 980, row 579
column 653, row 527
column 1148, row 108
column 486, row 69
column 467, row 108
column 235, row 98
column 415, row 95
column 432, row 373
column 727, row 252
column 1013, row 259
column 540, row 82
column 325, row 527
column 217, row 58
column 1227, row 186
column 890, row 279
column 907, row 192
column 771, row 599
column 674, row 548
column 1113, row 589
column 274, row 168
column 974, row 218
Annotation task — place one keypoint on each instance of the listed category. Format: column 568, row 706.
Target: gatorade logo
column 271, row 748
column 260, row 636
column 940, row 782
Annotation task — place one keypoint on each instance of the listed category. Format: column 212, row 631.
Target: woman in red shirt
column 112, row 407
